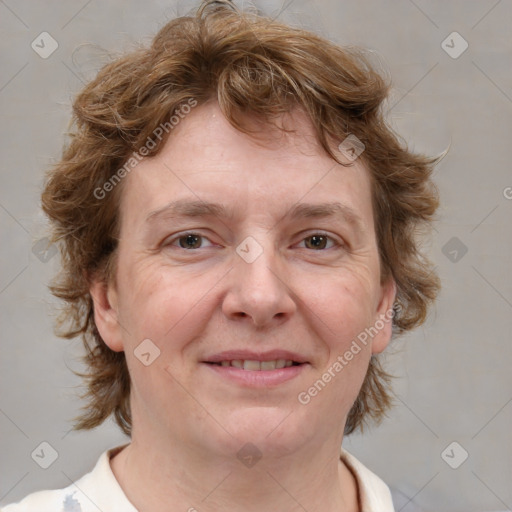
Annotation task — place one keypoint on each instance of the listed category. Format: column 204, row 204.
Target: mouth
column 254, row 365
column 257, row 370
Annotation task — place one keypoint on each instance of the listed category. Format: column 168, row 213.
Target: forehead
column 206, row 159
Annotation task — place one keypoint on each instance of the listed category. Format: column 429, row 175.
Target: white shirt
column 99, row 491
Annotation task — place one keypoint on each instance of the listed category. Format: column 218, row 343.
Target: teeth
column 252, row 365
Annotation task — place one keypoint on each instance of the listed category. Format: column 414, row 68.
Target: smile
column 254, row 365
column 251, row 373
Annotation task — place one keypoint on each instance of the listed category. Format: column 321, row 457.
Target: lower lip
column 257, row 378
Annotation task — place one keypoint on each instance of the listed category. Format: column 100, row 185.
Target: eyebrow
column 186, row 208
column 197, row 208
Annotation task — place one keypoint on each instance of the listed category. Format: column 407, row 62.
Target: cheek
column 345, row 321
column 345, row 302
column 345, row 309
column 143, row 300
column 160, row 304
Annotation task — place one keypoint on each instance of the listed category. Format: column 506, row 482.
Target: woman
column 237, row 228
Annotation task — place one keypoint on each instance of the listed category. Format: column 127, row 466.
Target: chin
column 275, row 431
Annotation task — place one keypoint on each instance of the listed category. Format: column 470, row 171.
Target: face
column 242, row 252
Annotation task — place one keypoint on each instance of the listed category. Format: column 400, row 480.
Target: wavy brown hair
column 251, row 65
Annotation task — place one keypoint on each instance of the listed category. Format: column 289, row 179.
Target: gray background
column 453, row 375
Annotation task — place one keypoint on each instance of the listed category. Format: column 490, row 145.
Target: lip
column 259, row 378
column 270, row 355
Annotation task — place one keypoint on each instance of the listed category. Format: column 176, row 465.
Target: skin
column 188, row 422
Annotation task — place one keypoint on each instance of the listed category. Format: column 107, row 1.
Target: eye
column 319, row 241
column 188, row 241
column 191, row 240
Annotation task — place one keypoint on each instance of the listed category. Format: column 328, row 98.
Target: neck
column 153, row 477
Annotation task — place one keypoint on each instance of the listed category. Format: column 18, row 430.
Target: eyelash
column 336, row 244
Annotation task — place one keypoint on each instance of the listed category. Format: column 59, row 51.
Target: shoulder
column 97, row 489
column 374, row 494
column 52, row 500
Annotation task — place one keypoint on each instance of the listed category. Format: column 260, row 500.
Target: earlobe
column 106, row 314
column 384, row 317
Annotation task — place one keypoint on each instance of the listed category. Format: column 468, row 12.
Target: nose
column 259, row 292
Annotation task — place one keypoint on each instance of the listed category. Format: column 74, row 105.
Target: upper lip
column 270, row 355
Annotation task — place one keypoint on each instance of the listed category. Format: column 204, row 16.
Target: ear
column 383, row 323
column 106, row 313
